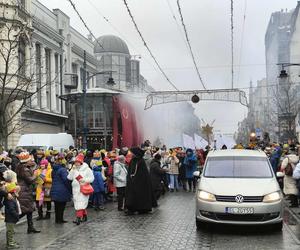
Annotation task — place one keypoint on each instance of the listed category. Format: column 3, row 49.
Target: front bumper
column 264, row 213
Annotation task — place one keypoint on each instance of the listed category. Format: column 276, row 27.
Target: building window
column 22, row 57
column 38, row 72
column 48, row 77
column 119, row 64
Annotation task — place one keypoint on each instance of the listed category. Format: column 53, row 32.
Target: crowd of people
column 138, row 176
column 38, row 179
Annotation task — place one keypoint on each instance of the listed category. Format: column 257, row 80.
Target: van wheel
column 200, row 225
column 278, row 227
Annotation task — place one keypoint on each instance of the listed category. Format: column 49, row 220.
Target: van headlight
column 202, row 195
column 273, row 197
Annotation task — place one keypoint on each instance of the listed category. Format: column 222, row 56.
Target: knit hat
column 60, row 156
column 79, row 158
column 99, row 163
column 44, row 163
column 24, row 157
column 11, row 187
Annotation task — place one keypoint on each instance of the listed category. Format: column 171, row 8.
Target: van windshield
column 238, row 167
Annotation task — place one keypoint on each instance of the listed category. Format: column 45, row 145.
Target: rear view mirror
column 279, row 174
column 197, row 174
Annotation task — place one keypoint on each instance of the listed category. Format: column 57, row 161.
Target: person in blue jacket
column 61, row 190
column 98, row 185
column 275, row 158
column 190, row 163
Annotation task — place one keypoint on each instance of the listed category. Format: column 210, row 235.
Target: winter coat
column 80, row 200
column 190, row 163
column 11, row 211
column 138, row 195
column 26, row 180
column 109, row 174
column 120, row 174
column 156, row 175
column 98, row 183
column 61, row 190
column 289, row 183
column 44, row 184
column 296, row 173
column 174, row 165
column 275, row 158
column 148, row 159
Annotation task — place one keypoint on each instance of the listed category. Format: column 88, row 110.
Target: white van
column 60, row 141
column 238, row 187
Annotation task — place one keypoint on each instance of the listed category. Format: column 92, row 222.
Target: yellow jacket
column 45, row 183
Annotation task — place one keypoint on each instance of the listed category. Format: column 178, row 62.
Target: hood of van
column 235, row 186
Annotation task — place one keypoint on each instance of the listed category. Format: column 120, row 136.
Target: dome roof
column 111, row 43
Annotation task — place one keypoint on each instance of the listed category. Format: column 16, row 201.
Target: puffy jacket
column 11, row 211
column 61, row 190
column 98, row 183
column 174, row 165
column 26, row 180
column 120, row 174
column 45, row 184
column 289, row 183
column 190, row 162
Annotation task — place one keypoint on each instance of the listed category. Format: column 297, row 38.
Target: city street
column 172, row 226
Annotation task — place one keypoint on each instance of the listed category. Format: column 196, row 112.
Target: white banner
column 188, row 141
column 200, row 142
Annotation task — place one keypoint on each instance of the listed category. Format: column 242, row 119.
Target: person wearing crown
column 26, row 179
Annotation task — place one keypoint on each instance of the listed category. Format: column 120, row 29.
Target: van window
column 238, row 167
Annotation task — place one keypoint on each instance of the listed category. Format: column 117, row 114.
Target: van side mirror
column 280, row 174
column 197, row 174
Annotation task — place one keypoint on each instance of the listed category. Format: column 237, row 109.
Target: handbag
column 86, row 189
column 289, row 170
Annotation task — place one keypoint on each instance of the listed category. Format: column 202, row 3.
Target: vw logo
column 239, row 198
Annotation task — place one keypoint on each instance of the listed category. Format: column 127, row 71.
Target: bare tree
column 16, row 77
column 284, row 110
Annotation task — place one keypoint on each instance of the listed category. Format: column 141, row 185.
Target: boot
column 77, row 221
column 40, row 213
column 31, row 228
column 47, row 217
column 10, row 243
column 84, row 219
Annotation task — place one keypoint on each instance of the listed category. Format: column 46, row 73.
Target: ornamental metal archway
column 228, row 95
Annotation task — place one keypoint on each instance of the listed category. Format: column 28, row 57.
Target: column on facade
column 43, row 79
column 54, row 79
column 79, row 87
column 59, row 87
column 34, row 101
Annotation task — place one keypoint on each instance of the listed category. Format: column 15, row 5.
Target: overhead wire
column 177, row 23
column 189, row 44
column 242, row 41
column 107, row 20
column 146, row 45
column 232, row 43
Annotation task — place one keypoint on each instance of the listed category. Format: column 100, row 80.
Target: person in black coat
column 138, row 194
column 156, row 175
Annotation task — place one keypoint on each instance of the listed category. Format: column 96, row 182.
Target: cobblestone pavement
column 172, row 226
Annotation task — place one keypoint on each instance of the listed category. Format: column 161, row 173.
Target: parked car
column 58, row 141
column 238, row 187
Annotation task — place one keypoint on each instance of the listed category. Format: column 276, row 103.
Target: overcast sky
column 208, row 24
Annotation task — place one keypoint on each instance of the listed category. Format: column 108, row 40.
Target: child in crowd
column 98, row 185
column 12, row 208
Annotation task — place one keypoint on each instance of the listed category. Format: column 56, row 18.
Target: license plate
column 239, row 210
